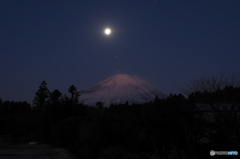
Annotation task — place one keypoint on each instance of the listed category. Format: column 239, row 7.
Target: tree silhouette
column 212, row 84
column 41, row 96
column 55, row 96
column 99, row 104
column 1, row 101
column 74, row 93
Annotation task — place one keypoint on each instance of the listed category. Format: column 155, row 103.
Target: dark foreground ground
column 41, row 151
column 44, row 151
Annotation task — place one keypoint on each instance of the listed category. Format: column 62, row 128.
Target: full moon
column 107, row 31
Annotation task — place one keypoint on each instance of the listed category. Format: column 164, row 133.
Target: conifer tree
column 41, row 96
column 74, row 93
column 55, row 96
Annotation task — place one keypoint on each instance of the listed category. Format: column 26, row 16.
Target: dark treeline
column 176, row 126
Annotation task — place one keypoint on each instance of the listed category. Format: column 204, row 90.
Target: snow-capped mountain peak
column 119, row 89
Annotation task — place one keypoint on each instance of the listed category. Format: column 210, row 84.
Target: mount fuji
column 119, row 89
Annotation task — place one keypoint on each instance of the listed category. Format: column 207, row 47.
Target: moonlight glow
column 107, row 31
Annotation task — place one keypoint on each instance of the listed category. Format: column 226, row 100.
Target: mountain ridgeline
column 121, row 88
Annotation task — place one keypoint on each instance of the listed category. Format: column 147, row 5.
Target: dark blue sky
column 166, row 43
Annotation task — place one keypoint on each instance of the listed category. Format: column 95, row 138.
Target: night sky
column 165, row 42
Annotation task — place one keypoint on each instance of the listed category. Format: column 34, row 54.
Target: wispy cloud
column 116, row 57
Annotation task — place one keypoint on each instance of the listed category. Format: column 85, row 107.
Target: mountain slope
column 119, row 89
